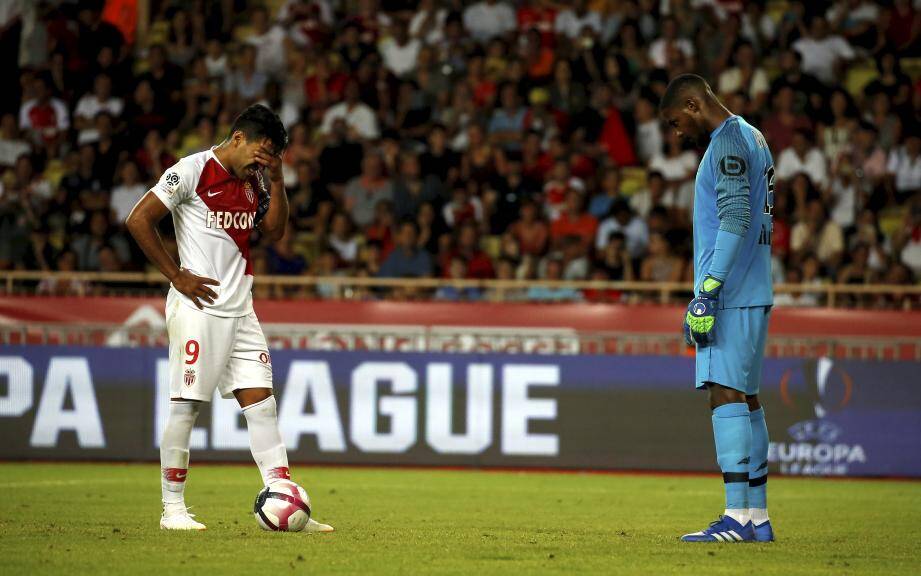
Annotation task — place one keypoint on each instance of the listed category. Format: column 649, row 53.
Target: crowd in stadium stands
column 455, row 139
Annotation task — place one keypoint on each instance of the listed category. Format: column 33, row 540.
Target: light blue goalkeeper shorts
column 735, row 358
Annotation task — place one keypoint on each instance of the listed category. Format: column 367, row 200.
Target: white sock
column 759, row 515
column 265, row 440
column 740, row 515
column 174, row 451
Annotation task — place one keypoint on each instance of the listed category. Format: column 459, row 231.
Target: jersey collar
column 722, row 125
column 218, row 160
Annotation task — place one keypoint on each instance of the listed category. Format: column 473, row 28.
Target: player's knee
column 720, row 395
column 248, row 396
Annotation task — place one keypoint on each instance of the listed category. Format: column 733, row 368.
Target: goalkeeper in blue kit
column 728, row 318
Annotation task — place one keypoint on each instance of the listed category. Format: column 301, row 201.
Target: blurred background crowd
column 459, row 139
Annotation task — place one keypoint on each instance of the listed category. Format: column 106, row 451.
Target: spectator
column 615, row 259
column 507, row 123
column 553, row 270
column 44, row 117
column 660, row 265
column 411, row 189
column 90, row 105
column 128, row 191
column 609, row 193
column 457, row 270
column 400, row 51
column 652, row 195
column 836, row 134
column 63, row 286
column 649, row 138
column 905, row 166
column 342, row 240
column 464, row 207
column 358, row 116
column 817, row 235
column 438, row 160
column 428, row 22
column 669, row 42
column 633, row 228
column 99, row 234
column 407, row 260
column 574, row 222
column 487, row 19
column 572, row 21
column 745, row 76
column 269, row 40
column 363, row 192
column 530, row 231
column 802, row 157
column 245, row 85
column 679, row 167
column 823, row 55
column 12, row 146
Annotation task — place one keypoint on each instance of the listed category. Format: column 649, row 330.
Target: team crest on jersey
column 248, row 188
column 189, row 376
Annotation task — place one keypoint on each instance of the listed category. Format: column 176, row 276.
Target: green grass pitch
column 103, row 519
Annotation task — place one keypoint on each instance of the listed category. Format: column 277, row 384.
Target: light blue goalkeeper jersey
column 734, row 193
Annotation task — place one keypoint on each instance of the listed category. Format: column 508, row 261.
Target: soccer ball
column 282, row 506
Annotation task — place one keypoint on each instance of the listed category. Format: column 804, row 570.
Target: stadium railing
column 346, row 287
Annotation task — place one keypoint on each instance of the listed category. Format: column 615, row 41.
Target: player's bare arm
column 276, row 218
column 142, row 223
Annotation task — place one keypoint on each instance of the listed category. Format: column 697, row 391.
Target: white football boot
column 314, row 526
column 177, row 517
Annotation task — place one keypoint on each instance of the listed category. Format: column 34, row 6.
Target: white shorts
column 208, row 352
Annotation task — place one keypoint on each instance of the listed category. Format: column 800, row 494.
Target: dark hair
column 682, row 86
column 258, row 122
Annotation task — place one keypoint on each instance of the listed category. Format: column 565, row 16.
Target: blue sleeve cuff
column 725, row 251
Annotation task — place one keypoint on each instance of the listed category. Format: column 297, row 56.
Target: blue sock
column 732, row 432
column 758, row 466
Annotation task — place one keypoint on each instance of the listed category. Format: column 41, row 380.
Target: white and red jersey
column 214, row 214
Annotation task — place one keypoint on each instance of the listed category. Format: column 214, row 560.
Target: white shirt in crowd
column 649, row 139
column 270, row 51
column 11, row 150
column 789, row 164
column 570, row 24
column 434, row 34
column 124, row 197
column 400, row 60
column 485, row 21
column 89, row 105
column 821, row 56
column 636, row 234
column 658, row 53
column 358, row 117
column 730, row 82
column 682, row 167
column 907, row 171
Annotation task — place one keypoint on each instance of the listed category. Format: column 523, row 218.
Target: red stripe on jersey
column 223, row 192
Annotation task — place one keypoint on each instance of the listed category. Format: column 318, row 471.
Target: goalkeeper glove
column 701, row 316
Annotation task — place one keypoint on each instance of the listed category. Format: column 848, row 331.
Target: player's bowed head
column 691, row 109
column 256, row 140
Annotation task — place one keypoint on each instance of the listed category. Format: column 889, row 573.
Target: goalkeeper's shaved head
column 690, row 107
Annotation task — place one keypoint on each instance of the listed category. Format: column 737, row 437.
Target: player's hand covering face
column 264, row 157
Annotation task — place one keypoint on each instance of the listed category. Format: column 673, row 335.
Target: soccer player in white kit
column 216, row 198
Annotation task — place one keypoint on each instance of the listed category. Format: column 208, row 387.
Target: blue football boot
column 725, row 529
column 764, row 532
